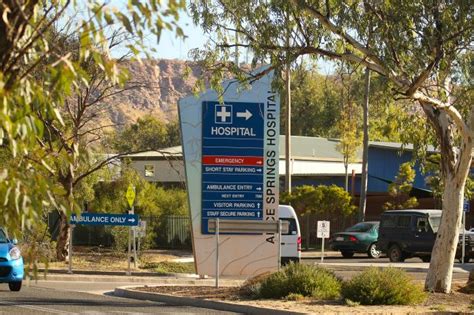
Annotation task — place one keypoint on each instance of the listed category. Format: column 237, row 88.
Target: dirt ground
column 99, row 259
column 454, row 303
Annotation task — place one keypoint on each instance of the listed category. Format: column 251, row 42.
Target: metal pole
column 463, row 236
column 279, row 245
column 288, row 169
column 71, row 229
column 322, row 249
column 129, row 251
column 365, row 152
column 217, row 252
column 135, row 258
column 139, row 238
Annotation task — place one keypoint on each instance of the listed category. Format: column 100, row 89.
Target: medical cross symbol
column 223, row 114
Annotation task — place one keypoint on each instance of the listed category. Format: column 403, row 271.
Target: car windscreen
column 434, row 222
column 3, row 237
column 360, row 227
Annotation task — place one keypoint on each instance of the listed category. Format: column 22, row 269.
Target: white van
column 291, row 241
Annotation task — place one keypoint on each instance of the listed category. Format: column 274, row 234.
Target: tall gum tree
column 36, row 80
column 416, row 45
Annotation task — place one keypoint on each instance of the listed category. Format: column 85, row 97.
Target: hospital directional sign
column 232, row 161
column 105, row 219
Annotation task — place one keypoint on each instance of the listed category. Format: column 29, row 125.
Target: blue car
column 11, row 262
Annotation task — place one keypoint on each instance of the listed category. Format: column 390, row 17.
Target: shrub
column 120, row 236
column 295, row 297
column 251, row 287
column 305, row 280
column 387, row 286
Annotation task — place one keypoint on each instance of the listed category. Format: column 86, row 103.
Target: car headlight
column 15, row 253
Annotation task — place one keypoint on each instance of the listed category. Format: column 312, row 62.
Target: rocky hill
column 154, row 87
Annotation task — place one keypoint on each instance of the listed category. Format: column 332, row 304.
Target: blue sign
column 105, row 219
column 466, row 205
column 232, row 161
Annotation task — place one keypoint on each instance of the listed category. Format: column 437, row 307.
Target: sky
column 171, row 47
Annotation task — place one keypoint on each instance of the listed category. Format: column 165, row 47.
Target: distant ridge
column 154, row 88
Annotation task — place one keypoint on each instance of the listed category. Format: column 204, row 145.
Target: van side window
column 404, row 221
column 292, row 227
column 422, row 224
column 389, row 221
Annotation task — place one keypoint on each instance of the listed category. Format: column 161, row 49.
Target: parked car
column 11, row 262
column 360, row 238
column 291, row 240
column 412, row 233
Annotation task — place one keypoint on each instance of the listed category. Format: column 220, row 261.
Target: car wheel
column 395, row 254
column 426, row 258
column 373, row 252
column 347, row 254
column 15, row 286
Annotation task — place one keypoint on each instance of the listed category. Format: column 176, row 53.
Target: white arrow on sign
column 245, row 114
column 131, row 220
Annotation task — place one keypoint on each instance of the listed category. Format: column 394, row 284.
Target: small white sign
column 323, row 229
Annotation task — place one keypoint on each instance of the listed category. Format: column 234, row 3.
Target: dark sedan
column 360, row 238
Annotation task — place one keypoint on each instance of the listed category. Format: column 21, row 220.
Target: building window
column 149, row 170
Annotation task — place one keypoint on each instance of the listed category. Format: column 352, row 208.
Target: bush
column 301, row 279
column 251, row 287
column 120, row 235
column 387, row 286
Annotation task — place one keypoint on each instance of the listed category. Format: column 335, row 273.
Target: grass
column 169, row 267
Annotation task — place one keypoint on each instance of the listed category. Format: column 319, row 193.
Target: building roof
column 303, row 148
column 314, row 148
column 176, row 151
column 397, row 146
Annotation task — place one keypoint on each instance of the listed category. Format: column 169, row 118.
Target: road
column 61, row 297
column 415, row 267
column 84, row 297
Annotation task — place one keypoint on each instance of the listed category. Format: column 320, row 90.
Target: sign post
column 322, row 233
column 130, row 195
column 217, row 252
column 141, row 232
column 466, row 209
column 279, row 244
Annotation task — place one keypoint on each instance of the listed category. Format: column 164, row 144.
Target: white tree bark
column 455, row 165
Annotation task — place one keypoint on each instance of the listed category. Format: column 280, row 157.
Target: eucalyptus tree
column 415, row 45
column 36, row 81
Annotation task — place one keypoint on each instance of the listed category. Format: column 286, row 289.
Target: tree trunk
column 62, row 245
column 455, row 165
column 365, row 154
column 440, row 273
